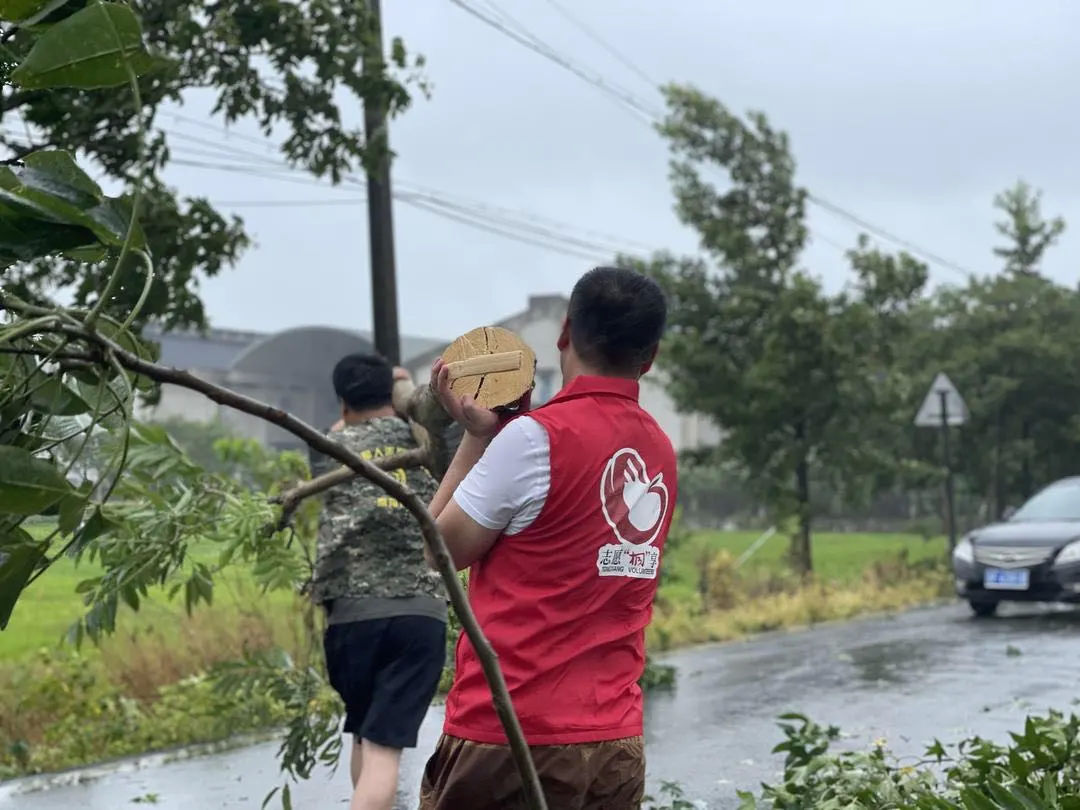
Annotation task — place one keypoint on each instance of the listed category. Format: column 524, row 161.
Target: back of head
column 363, row 382
column 617, row 318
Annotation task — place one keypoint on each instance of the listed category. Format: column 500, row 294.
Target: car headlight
column 964, row 551
column 1069, row 554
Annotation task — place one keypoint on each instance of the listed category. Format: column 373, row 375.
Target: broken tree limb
column 106, row 351
column 291, row 499
column 428, row 422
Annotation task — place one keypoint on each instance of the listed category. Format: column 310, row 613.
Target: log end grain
column 497, row 389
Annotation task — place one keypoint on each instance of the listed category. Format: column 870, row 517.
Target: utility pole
column 380, row 214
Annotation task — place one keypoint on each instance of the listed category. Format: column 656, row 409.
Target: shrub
column 1039, row 770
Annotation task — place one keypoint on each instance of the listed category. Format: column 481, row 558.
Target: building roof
column 216, row 349
column 221, row 349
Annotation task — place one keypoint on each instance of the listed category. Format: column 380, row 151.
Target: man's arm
column 466, row 540
column 471, row 517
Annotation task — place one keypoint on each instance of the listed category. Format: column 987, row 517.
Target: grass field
column 50, row 604
column 840, row 557
column 854, row 573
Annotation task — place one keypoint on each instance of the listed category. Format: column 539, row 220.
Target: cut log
column 491, row 364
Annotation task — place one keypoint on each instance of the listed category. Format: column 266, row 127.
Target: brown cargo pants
column 464, row 775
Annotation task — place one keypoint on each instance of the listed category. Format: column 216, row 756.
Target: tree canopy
column 294, row 68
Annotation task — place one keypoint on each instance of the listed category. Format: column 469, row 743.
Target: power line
column 510, row 229
column 578, row 23
column 534, row 43
column 537, row 45
column 289, row 203
column 487, row 217
column 882, row 233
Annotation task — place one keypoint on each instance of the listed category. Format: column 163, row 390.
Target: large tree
column 792, row 376
column 1011, row 343
column 292, row 66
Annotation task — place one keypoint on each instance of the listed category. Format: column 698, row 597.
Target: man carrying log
column 561, row 516
column 386, row 611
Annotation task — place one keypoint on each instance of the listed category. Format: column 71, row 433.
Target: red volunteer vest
column 565, row 602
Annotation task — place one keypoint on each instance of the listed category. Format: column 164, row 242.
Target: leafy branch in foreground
column 1038, row 770
column 59, row 334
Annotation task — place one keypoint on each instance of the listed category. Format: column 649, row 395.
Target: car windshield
column 1056, row 502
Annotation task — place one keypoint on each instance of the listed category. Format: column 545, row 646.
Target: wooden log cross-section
column 491, row 364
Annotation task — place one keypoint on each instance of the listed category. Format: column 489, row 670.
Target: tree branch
column 292, row 498
column 432, row 538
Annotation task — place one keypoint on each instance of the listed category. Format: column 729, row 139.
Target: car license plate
column 998, row 580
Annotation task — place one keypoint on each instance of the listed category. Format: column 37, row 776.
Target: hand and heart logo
column 634, row 504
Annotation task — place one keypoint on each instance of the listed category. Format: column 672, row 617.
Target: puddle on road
column 894, row 662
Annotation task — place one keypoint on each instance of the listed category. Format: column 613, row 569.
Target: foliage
column 199, row 441
column 1009, row 343
column 792, row 375
column 294, row 68
column 671, row 798
column 814, row 392
column 1037, row 770
column 706, row 599
column 61, row 709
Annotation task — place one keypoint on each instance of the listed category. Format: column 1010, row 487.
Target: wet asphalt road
column 909, row 678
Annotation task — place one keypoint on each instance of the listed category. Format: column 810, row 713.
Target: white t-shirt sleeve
column 507, row 488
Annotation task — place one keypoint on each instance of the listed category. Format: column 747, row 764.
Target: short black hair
column 617, row 318
column 363, row 381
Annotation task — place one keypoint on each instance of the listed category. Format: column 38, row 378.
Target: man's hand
column 479, row 422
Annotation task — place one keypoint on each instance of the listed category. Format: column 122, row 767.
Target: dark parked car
column 1031, row 556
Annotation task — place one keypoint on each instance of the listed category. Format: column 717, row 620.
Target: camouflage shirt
column 369, row 544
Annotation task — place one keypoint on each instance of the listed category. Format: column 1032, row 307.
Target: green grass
column 49, row 605
column 839, row 557
column 704, row 598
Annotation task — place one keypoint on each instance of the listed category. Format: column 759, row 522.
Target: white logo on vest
column 634, row 506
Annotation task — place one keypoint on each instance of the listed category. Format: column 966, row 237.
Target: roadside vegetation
column 1038, row 770
column 152, row 684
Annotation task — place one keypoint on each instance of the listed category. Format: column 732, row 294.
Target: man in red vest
column 560, row 516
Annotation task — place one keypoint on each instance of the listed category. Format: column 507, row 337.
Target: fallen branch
column 106, row 350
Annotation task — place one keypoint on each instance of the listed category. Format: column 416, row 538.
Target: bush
column 61, row 709
column 1039, row 770
column 730, row 604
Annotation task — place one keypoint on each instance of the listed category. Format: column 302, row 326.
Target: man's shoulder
column 375, row 433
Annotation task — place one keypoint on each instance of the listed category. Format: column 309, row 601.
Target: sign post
column 944, row 408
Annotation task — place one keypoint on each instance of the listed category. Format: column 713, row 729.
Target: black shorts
column 387, row 672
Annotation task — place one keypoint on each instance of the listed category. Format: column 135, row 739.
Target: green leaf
column 1004, row 798
column 28, row 485
column 114, row 213
column 975, row 800
column 130, row 595
column 269, row 796
column 28, row 12
column 91, row 253
column 95, row 526
column 286, row 798
column 23, row 238
column 20, row 560
column 71, row 513
column 86, row 50
column 54, row 396
column 56, row 190
column 55, row 171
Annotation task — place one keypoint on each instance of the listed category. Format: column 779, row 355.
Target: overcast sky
column 911, row 114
